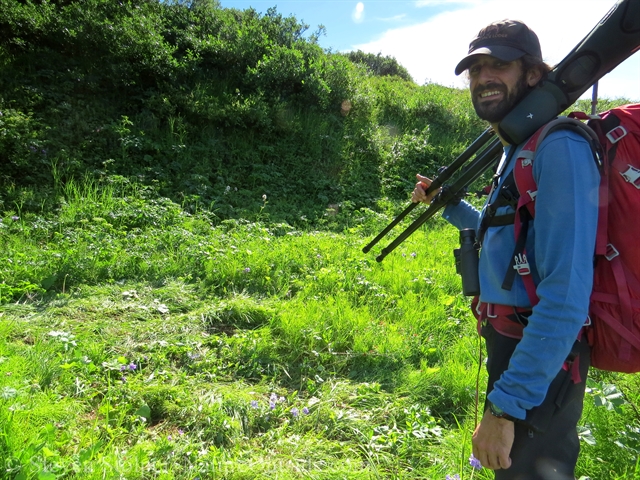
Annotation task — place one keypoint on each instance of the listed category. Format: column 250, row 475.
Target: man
column 536, row 383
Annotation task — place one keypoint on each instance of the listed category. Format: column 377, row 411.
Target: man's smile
column 490, row 93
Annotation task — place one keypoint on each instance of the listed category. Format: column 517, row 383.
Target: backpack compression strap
column 611, row 131
column 608, row 131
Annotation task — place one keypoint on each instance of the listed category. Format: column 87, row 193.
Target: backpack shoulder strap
column 523, row 168
column 528, row 189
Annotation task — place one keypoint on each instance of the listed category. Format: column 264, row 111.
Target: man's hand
column 492, row 441
column 419, row 193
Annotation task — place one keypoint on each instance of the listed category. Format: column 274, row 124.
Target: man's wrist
column 499, row 413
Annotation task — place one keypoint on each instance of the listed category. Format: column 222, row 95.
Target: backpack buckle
column 611, row 252
column 522, row 264
column 616, row 134
column 632, row 175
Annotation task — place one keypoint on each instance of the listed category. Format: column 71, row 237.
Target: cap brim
column 507, row 54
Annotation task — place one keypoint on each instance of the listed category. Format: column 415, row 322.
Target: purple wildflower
column 254, row 404
column 272, row 405
column 453, row 477
column 295, row 412
column 247, row 270
column 123, row 379
column 305, row 410
column 123, row 368
column 413, row 254
column 273, row 398
column 474, row 462
column 15, row 218
column 132, row 366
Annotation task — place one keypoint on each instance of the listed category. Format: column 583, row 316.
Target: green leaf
column 585, row 435
column 48, row 452
column 48, row 282
column 87, row 454
column 46, row 476
column 144, row 411
column 7, row 392
column 448, row 300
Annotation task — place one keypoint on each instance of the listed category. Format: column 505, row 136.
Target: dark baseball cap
column 506, row 40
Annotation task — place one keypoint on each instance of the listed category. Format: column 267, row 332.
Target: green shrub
column 210, row 106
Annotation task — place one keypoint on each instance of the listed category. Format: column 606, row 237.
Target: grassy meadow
column 185, row 191
column 180, row 348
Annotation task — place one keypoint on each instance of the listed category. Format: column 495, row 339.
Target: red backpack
column 614, row 311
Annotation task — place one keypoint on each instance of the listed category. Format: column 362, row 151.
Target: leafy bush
column 211, row 107
column 379, row 65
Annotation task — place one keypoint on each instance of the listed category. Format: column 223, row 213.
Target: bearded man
column 536, row 378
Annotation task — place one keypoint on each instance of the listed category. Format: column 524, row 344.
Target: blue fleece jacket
column 560, row 247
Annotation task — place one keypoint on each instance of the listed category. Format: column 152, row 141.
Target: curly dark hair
column 529, row 62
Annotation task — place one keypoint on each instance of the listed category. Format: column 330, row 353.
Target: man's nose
column 486, row 73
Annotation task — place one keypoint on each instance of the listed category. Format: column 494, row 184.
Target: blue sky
column 428, row 37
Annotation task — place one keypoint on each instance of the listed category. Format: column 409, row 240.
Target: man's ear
column 534, row 75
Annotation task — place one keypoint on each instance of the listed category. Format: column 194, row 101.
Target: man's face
column 496, row 86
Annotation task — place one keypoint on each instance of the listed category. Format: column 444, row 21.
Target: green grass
column 143, row 337
column 138, row 341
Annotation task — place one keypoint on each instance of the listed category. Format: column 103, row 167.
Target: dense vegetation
column 184, row 194
column 209, row 107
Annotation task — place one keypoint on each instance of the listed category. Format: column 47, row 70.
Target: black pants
column 546, row 445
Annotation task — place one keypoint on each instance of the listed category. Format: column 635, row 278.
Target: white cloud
column 431, row 50
column 358, row 13
column 395, row 18
column 431, row 3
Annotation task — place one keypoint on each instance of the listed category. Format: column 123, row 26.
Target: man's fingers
column 505, row 461
column 422, row 179
column 492, row 441
column 493, row 462
column 420, row 191
column 418, row 194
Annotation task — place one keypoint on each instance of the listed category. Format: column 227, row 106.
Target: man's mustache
column 490, row 87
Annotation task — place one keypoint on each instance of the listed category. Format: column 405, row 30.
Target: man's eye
column 474, row 70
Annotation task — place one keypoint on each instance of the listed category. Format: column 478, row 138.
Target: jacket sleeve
column 562, row 249
column 463, row 215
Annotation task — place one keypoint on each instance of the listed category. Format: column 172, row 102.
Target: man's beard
column 494, row 112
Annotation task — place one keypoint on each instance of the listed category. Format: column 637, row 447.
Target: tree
column 379, row 65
